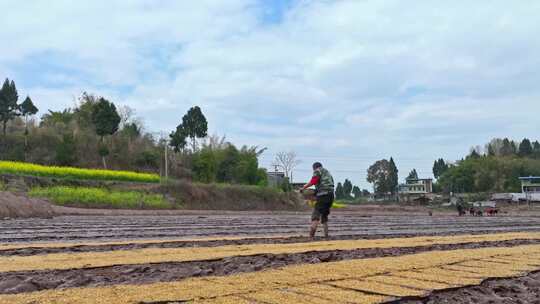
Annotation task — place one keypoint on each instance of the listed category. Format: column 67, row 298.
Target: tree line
column 98, row 133
column 494, row 168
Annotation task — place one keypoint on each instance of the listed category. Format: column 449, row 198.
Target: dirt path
column 27, row 281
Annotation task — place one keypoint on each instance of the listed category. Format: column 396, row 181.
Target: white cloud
column 366, row 79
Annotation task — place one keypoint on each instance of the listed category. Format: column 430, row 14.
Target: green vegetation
column 97, row 133
column 101, row 198
column 221, row 162
column 383, row 174
column 496, row 170
column 19, row 168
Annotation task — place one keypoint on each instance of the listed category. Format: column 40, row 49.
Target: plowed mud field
column 266, row 258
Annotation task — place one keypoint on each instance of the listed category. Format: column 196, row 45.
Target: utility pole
column 166, row 161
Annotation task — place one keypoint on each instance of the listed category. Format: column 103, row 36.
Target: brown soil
column 223, row 224
column 521, row 290
column 20, row 206
column 27, row 281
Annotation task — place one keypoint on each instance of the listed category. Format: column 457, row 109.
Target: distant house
column 416, row 190
column 530, row 188
column 530, row 191
column 417, row 186
column 275, row 178
column 530, row 184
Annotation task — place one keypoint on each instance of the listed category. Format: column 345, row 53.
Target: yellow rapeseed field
column 20, row 168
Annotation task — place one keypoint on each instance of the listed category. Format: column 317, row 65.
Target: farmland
column 263, row 257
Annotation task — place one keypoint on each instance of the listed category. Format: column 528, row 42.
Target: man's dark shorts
column 322, row 208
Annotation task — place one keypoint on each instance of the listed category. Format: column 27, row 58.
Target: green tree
column 357, row 193
column 178, row 139
column 53, row 118
column 339, row 192
column 205, row 166
column 393, row 179
column 226, row 171
column 536, row 149
column 27, row 108
column 8, row 103
column 194, row 125
column 347, row 189
column 247, row 170
column 474, row 154
column 525, row 148
column 379, row 175
column 413, row 174
column 439, row 167
column 106, row 121
column 508, row 148
column 84, row 112
column 66, row 151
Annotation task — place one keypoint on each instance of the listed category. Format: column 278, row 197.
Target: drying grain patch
column 378, row 278
column 162, row 255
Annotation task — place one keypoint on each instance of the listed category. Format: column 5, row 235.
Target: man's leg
column 324, row 222
column 313, row 228
column 327, row 202
column 315, row 218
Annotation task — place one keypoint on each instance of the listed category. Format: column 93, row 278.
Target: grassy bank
column 230, row 197
column 101, row 198
column 19, row 168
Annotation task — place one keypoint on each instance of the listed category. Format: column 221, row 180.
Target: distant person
column 324, row 193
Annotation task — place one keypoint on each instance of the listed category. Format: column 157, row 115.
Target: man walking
column 324, row 192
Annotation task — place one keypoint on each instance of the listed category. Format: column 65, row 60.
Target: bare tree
column 287, row 161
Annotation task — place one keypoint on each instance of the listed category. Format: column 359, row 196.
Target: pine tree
column 439, row 167
column 536, row 149
column 106, row 121
column 339, row 191
column 27, row 108
column 413, row 175
column 508, row 148
column 525, row 148
column 347, row 188
column 8, row 103
column 195, row 126
column 393, row 177
column 357, row 192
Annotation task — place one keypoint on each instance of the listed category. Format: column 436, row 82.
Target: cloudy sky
column 343, row 82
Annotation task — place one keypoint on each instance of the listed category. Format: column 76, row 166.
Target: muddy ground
column 291, row 226
column 521, row 290
column 105, row 228
column 27, row 281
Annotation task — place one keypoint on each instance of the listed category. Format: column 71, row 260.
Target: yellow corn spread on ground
column 351, row 281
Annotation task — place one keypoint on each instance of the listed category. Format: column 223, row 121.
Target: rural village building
column 417, row 186
column 530, row 191
column 419, row 190
column 530, row 184
column 275, row 178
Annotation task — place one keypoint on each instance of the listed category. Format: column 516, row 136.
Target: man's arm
column 314, row 181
